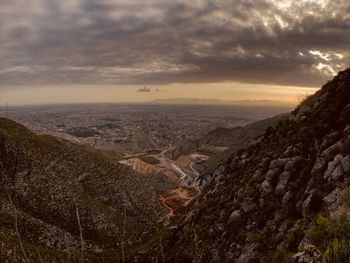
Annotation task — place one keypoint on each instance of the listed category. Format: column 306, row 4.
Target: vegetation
column 273, row 225
column 338, row 251
column 83, row 132
column 108, row 126
column 332, row 236
column 71, row 196
column 281, row 255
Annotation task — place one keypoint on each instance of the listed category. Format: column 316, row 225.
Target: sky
column 54, row 51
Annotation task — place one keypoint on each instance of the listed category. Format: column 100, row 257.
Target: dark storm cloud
column 157, row 41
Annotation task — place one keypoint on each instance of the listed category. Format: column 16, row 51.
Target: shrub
column 338, row 251
column 332, row 235
column 281, row 255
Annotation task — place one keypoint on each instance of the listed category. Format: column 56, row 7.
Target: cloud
column 300, row 42
column 144, row 89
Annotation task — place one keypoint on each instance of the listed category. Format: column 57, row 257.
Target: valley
column 150, row 138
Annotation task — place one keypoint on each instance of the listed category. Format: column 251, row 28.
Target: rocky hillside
column 63, row 202
column 231, row 138
column 238, row 136
column 285, row 198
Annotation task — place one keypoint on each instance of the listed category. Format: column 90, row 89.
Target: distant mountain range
column 194, row 101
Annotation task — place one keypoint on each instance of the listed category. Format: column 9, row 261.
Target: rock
column 278, row 163
column 282, row 182
column 331, row 167
column 305, row 205
column 337, row 168
column 347, row 129
column 337, row 147
column 303, row 111
column 344, row 161
column 337, row 172
column 219, row 177
column 235, row 216
column 310, row 254
column 247, row 205
column 286, row 198
column 257, row 174
column 304, row 243
column 215, row 255
column 333, row 198
column 265, row 187
column 248, row 253
column 293, row 163
column 291, row 151
column 272, row 174
column 82, row 177
column 318, row 165
column 264, row 162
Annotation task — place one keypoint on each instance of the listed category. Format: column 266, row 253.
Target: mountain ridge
column 279, row 199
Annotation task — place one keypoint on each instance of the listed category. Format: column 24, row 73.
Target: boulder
column 257, row 174
column 286, row 198
column 302, row 112
column 264, row 162
column 310, row 254
column 344, row 161
column 347, row 129
column 293, row 163
column 272, row 174
column 247, row 205
column 282, row 182
column 265, row 187
column 291, row 151
column 278, row 163
column 337, row 168
column 306, row 205
column 235, row 216
column 332, row 200
column 337, row 147
column 248, row 253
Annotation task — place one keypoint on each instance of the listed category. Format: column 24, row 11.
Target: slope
column 232, row 138
column 49, row 184
column 284, row 198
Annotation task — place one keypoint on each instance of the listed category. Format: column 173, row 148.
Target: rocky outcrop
column 309, row 254
column 338, row 168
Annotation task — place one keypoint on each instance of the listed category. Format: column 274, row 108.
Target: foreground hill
column 285, row 198
column 56, row 196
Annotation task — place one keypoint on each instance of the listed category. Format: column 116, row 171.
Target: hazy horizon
column 39, row 95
